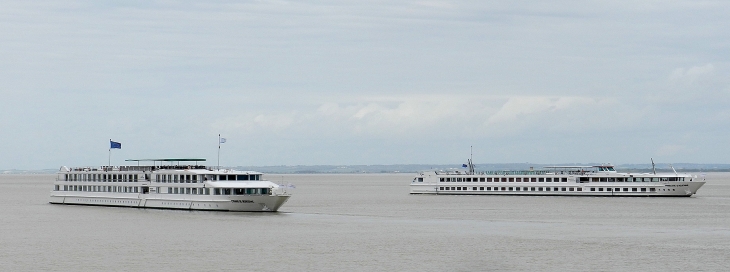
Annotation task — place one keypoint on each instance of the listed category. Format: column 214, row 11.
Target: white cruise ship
column 186, row 187
column 599, row 180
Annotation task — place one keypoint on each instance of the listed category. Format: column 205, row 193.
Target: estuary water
column 370, row 222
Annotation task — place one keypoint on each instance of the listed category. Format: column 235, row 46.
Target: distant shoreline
column 415, row 168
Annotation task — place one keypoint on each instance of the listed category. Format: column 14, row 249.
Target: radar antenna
column 653, row 169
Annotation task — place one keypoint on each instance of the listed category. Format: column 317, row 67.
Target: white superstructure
column 600, row 180
column 188, row 187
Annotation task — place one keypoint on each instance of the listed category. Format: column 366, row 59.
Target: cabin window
column 227, row 191
column 548, row 179
column 481, row 179
column 652, row 189
column 242, row 177
column 217, row 191
column 593, row 189
column 643, row 189
column 489, row 179
column 504, row 179
column 541, row 179
column 441, row 179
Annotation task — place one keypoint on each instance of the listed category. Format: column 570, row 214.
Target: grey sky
column 364, row 82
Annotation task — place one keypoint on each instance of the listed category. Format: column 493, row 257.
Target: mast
column 219, row 152
column 471, row 160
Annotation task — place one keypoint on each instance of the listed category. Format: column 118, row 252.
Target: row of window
column 93, row 188
column 504, row 179
column 217, row 191
column 102, row 177
column 194, row 178
column 631, row 179
column 186, row 191
column 158, row 178
column 170, row 190
column 544, row 189
column 551, row 179
column 241, row 191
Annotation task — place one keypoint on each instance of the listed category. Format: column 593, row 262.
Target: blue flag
column 113, row 144
column 463, row 165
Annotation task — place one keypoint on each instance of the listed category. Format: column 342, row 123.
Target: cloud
column 692, row 74
column 521, row 112
column 437, row 116
column 670, row 150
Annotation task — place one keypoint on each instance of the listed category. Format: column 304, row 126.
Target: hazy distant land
column 413, row 168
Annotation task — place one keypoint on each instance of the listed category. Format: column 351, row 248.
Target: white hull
column 558, row 181
column 686, row 189
column 226, row 203
column 188, row 187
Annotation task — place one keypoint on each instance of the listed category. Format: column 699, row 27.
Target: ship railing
column 282, row 190
column 514, row 172
column 137, row 168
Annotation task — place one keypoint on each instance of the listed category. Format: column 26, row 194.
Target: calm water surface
column 371, row 223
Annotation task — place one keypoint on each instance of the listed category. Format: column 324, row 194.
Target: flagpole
column 219, row 152
column 110, row 153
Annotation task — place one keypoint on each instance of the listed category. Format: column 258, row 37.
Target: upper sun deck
column 549, row 170
column 162, row 169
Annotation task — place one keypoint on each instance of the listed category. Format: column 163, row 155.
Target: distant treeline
column 414, row 168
